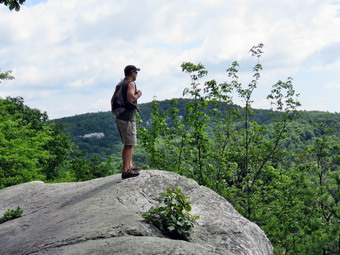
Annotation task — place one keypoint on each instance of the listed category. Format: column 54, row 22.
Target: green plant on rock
column 11, row 214
column 173, row 218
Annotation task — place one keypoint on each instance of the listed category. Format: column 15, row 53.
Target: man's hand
column 139, row 93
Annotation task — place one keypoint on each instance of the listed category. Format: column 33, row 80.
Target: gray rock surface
column 103, row 216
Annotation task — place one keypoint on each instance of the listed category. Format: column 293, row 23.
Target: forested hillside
column 96, row 133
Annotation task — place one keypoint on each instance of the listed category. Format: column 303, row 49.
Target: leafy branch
column 6, row 75
column 174, row 218
column 11, row 214
column 12, row 4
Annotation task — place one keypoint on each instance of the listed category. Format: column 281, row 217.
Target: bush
column 11, row 214
column 174, row 218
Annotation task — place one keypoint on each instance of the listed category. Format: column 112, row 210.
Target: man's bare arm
column 132, row 94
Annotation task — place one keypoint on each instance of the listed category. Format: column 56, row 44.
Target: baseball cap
column 130, row 68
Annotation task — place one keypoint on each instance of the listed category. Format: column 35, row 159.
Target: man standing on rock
column 126, row 120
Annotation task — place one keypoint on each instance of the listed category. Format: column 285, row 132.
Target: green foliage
column 13, row 4
column 196, row 121
column 22, row 139
column 322, row 230
column 283, row 175
column 59, row 149
column 30, row 147
column 6, row 75
column 86, row 169
column 11, row 214
column 151, row 136
column 174, row 218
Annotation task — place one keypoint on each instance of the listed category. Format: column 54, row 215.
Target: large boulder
column 103, row 216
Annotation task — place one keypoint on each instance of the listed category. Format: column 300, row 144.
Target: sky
column 68, row 55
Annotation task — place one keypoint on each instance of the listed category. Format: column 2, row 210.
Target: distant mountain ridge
column 96, row 134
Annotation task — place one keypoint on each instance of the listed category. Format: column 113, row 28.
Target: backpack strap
column 124, row 90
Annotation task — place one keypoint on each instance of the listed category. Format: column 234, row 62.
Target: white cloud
column 80, row 83
column 322, row 67
column 76, row 49
column 333, row 85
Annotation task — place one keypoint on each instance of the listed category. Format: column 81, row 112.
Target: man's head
column 128, row 70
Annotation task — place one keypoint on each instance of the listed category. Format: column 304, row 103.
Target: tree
column 196, row 121
column 151, row 136
column 59, row 149
column 6, row 75
column 13, row 4
column 323, row 229
column 82, row 169
column 31, row 147
column 21, row 144
column 221, row 146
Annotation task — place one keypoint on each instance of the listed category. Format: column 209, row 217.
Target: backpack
column 119, row 101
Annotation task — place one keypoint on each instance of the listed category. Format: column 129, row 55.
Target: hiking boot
column 135, row 168
column 129, row 173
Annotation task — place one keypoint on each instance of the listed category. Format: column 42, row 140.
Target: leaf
column 187, row 208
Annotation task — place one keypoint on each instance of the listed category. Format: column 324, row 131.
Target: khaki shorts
column 127, row 131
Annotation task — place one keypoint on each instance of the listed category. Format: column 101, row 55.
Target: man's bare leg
column 127, row 157
column 127, row 163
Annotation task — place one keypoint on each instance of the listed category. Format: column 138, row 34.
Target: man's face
column 134, row 75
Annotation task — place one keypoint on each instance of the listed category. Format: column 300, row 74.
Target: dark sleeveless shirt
column 128, row 114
